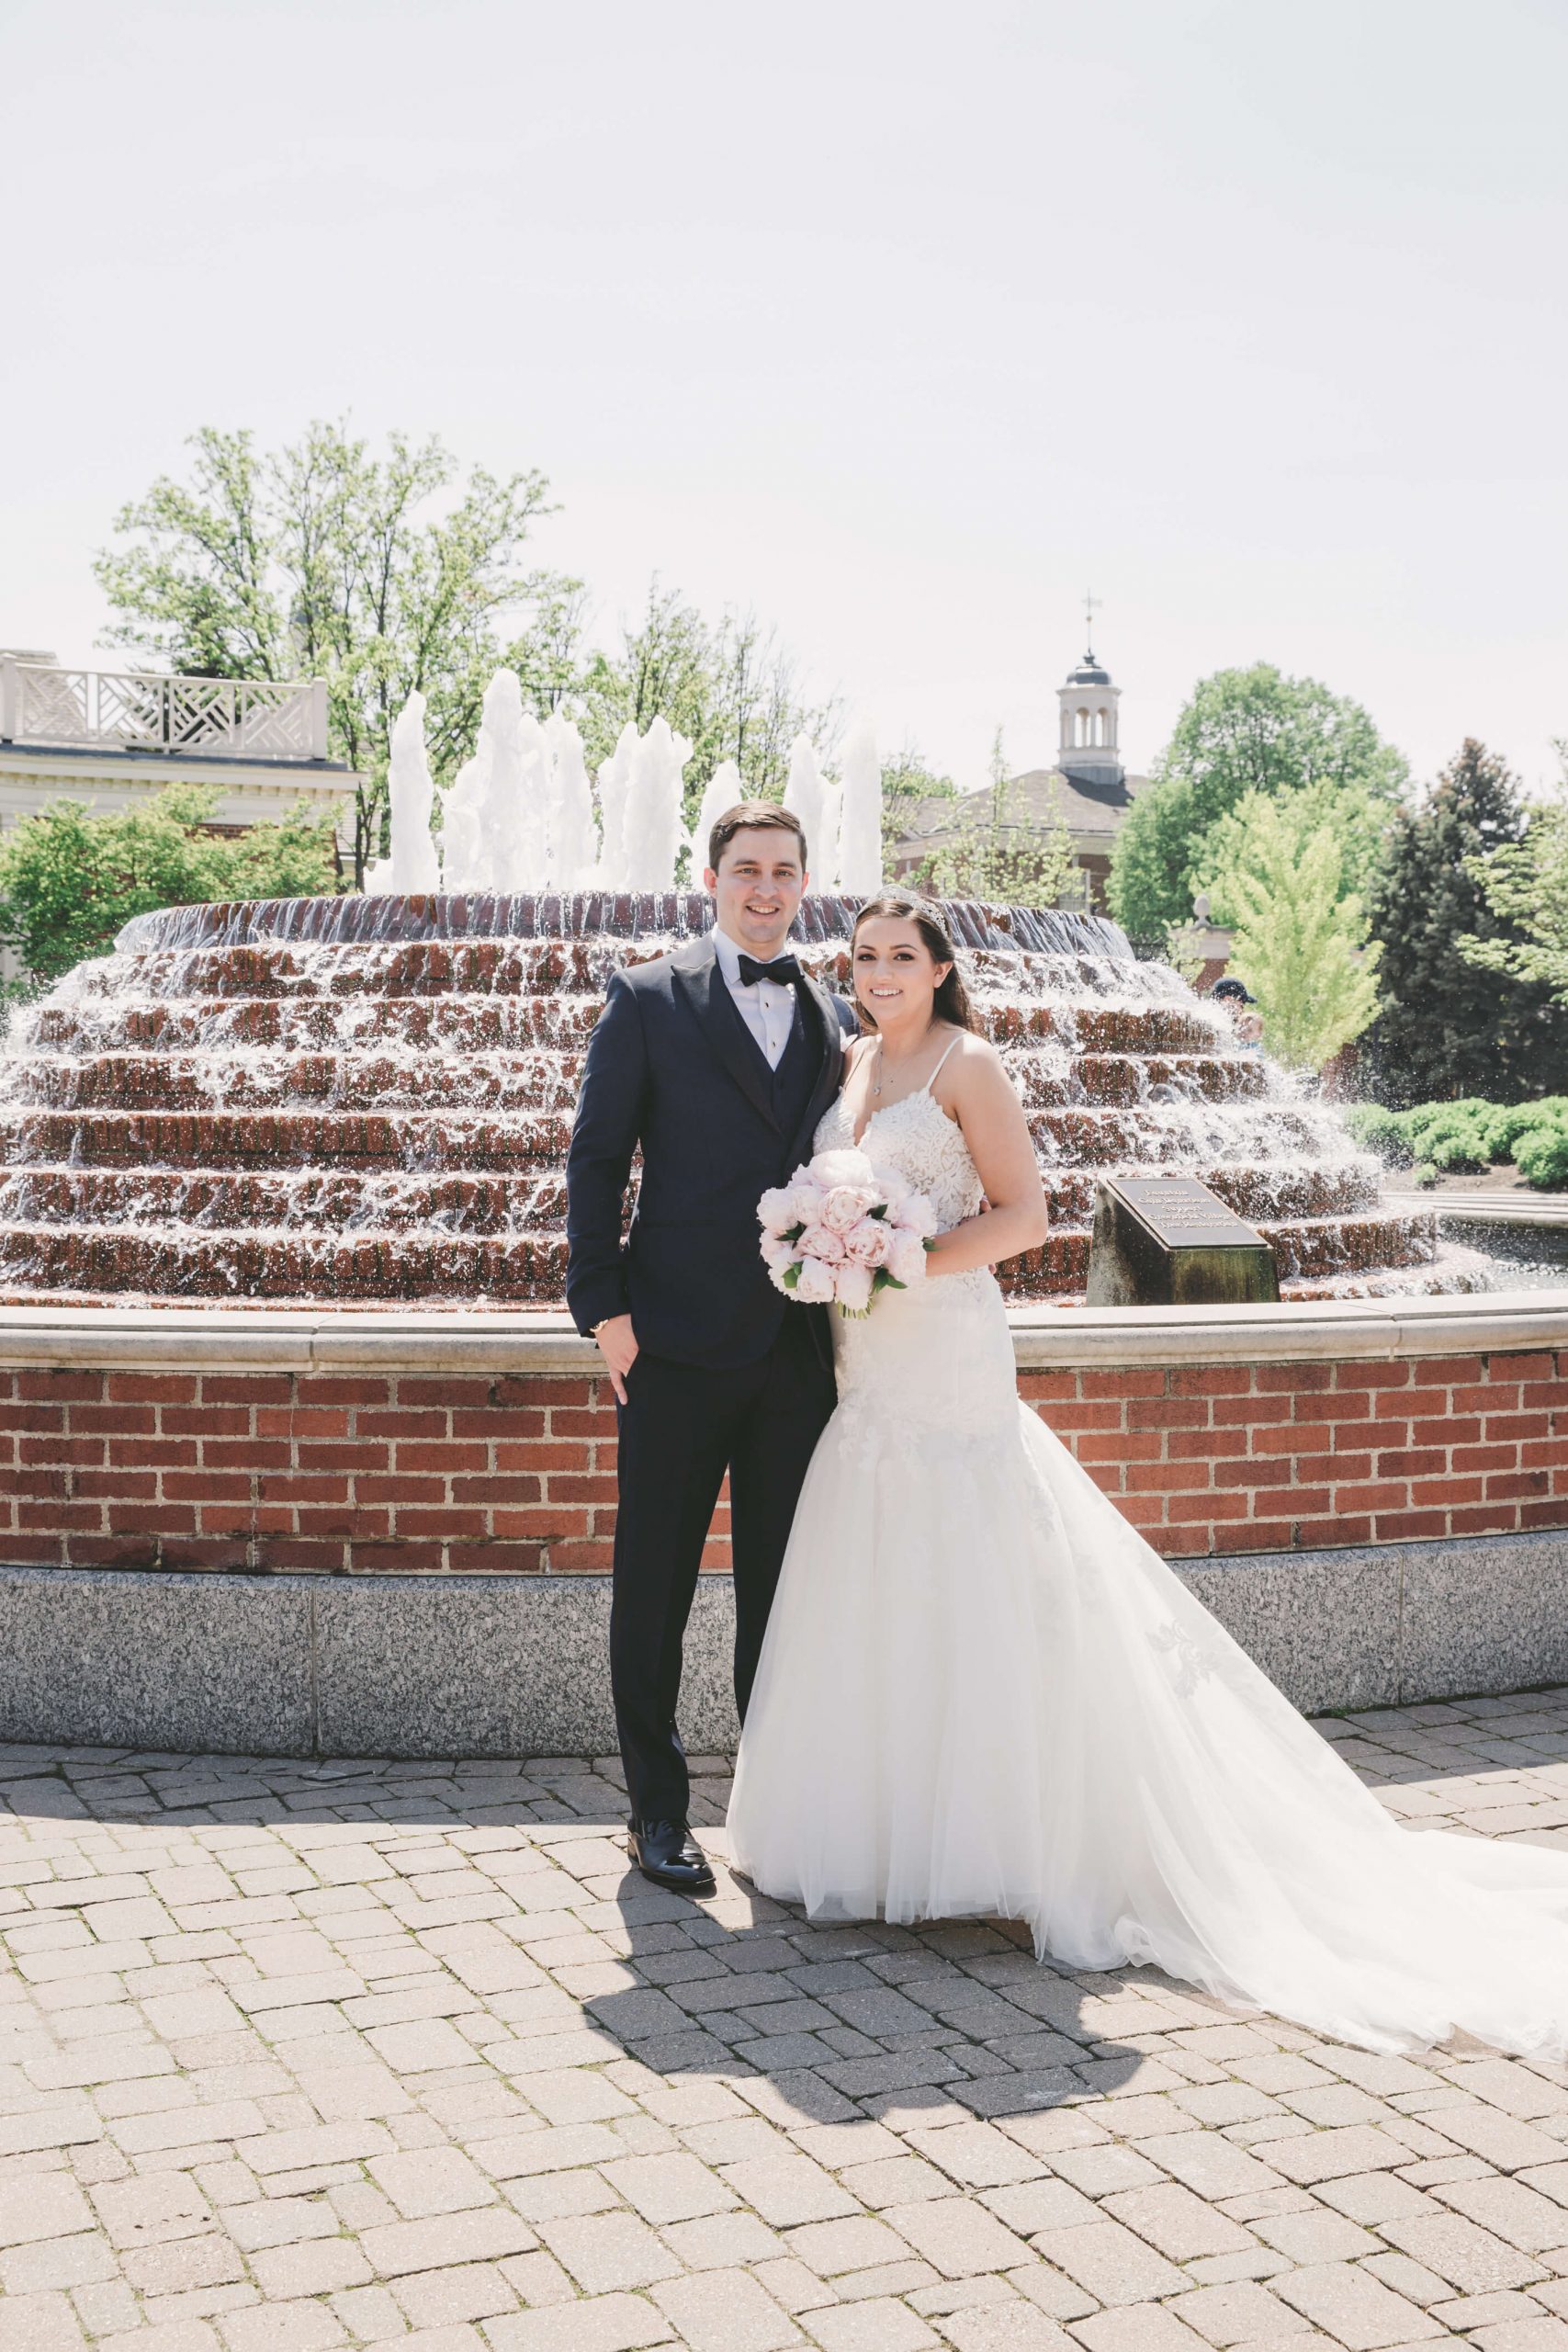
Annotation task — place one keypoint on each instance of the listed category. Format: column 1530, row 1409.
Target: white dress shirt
column 767, row 1007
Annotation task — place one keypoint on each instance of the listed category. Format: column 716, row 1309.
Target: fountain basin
column 389, row 1534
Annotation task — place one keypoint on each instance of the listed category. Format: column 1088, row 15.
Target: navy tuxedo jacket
column 672, row 1068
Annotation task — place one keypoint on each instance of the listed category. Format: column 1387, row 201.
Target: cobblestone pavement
column 311, row 2054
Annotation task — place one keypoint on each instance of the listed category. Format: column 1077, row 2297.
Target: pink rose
column 803, row 1199
column 906, row 1256
column 821, row 1241
column 846, row 1205
column 916, row 1215
column 774, row 1211
column 777, row 1252
column 816, row 1285
column 866, row 1244
column 854, row 1287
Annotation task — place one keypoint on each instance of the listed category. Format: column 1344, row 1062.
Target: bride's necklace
column 876, row 1077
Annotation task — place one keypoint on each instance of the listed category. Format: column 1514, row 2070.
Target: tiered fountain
column 368, row 1100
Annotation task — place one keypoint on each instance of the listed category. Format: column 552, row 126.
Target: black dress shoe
column 666, row 1852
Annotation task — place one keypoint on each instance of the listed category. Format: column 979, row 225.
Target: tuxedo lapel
column 696, row 974
column 829, row 1077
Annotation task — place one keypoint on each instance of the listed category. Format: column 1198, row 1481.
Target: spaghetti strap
column 937, row 1073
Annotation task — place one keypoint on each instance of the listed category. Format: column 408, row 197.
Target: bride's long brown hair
column 952, row 1000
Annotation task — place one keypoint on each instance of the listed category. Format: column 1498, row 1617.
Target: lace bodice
column 915, row 1138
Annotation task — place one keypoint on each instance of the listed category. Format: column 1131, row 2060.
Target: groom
column 720, row 1061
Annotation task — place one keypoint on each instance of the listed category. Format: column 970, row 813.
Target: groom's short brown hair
column 748, row 815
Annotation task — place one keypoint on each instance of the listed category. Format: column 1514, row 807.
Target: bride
column 982, row 1693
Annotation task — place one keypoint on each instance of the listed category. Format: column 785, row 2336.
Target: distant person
column 1246, row 1019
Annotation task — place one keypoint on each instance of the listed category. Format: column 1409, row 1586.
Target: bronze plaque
column 1169, row 1241
column 1183, row 1213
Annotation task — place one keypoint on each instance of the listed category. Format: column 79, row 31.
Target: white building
column 110, row 737
column 1087, row 790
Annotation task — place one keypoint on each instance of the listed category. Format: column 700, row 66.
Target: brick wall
column 516, row 1474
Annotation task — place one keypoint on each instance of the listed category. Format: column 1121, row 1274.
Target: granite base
column 515, row 1665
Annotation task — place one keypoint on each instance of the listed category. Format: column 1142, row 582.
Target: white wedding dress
column 981, row 1693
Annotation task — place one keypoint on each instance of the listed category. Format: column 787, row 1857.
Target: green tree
column 906, row 781
column 1299, row 934
column 69, row 879
column 1525, row 885
column 1461, row 1014
column 998, row 849
column 729, row 686
column 1245, row 731
column 322, row 560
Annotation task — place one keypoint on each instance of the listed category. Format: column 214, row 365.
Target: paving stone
column 608, row 2324
column 1114, row 2265
column 725, row 2311
column 881, row 2325
column 1357, row 2310
column 788, row 2188
column 1242, row 2313
column 609, row 2250
column 1137, row 2327
column 1004, row 2328
column 956, row 2237
column 1470, row 2258
column 1175, row 2223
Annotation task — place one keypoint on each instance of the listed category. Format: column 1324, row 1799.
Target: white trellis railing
column 140, row 710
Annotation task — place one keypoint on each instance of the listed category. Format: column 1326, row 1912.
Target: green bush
column 1381, row 1131
column 1541, row 1156
column 1453, row 1138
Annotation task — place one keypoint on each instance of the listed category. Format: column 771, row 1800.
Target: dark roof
column 1084, row 806
column 1088, row 673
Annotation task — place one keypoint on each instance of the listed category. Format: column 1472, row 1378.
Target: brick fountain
column 304, row 1455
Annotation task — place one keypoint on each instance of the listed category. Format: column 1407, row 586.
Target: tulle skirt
column 983, row 1693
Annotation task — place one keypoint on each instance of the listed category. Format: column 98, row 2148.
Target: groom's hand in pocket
column 617, row 1342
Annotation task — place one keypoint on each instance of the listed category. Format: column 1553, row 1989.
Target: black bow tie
column 785, row 971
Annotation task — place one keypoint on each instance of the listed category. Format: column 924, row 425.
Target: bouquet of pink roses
column 841, row 1231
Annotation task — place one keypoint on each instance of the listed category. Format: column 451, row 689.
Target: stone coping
column 543, row 1340
column 1548, row 1209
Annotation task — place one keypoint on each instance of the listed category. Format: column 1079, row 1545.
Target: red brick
column 1552, row 1514
column 89, row 1453
column 131, row 1484
column 54, row 1513
column 317, row 1388
column 247, row 1388
column 540, row 1454
column 1418, row 1461
column 1293, row 1379
column 1095, row 1383
column 1544, row 1395
column 316, row 1422
column 1335, row 1405
column 153, row 1453
column 1102, row 1445
column 494, row 1559
column 116, row 1420
column 1103, row 1415
column 292, row 1555
column 1492, row 1396
column 1441, row 1372
column 1290, row 1439
column 1033, row 1386
column 1253, row 1535
column 1543, row 1453
column 1519, row 1486
column 513, row 1490
column 447, row 1458
column 372, row 1488
column 1216, row 1505
column 345, row 1455
column 1164, row 1478
column 1184, row 1542
column 1314, row 1533
column 1167, row 1413
column 1425, row 1491
column 1521, row 1367
column 579, row 1421
column 1210, row 1380
column 1250, row 1412
column 207, row 1485
column 1393, row 1527
column 397, row 1420
column 446, row 1524
column 159, row 1518
column 1517, row 1425
column 581, row 1559
column 1142, row 1510
column 398, row 1559
column 301, row 1487
column 1395, row 1374
column 1495, row 1457
column 59, row 1388
column 1453, row 1429
column 1269, row 1470
column 1383, row 1494
column 150, row 1387
column 1200, row 1445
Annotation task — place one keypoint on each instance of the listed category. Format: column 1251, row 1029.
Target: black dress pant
column 681, row 1428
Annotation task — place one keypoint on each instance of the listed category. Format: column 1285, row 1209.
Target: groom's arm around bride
column 717, row 1062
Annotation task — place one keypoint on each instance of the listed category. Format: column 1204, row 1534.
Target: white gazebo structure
column 110, row 737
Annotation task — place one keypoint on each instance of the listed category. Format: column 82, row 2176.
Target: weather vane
column 1091, row 604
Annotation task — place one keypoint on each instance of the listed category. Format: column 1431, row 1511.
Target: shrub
column 1541, row 1156
column 1381, row 1131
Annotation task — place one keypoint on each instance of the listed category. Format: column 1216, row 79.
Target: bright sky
column 902, row 323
